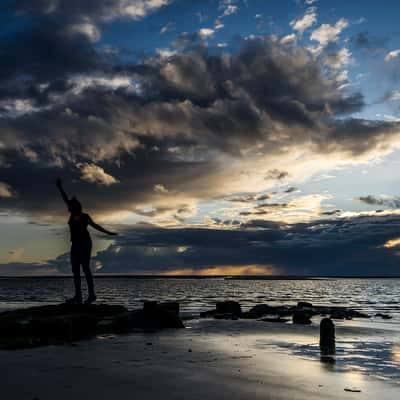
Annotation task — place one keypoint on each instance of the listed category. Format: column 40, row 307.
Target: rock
column 229, row 307
column 153, row 316
column 226, row 309
column 64, row 309
column 62, row 323
column 261, row 310
column 150, row 306
column 383, row 316
column 340, row 315
column 171, row 306
column 304, row 304
column 208, row 313
column 353, row 390
column 301, row 317
column 356, row 314
column 327, row 337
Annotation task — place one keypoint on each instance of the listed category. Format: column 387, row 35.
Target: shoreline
column 207, row 360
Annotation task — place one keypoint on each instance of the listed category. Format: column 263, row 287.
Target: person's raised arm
column 61, row 189
column 100, row 228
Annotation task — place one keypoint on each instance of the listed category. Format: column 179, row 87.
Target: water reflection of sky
column 373, row 358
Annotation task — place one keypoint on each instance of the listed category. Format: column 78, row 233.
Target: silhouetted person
column 81, row 246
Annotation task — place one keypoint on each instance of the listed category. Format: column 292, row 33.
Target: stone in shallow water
column 304, row 304
column 301, row 317
column 229, row 307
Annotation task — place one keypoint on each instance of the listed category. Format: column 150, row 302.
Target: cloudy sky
column 216, row 136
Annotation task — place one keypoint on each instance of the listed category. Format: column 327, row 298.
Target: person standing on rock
column 81, row 246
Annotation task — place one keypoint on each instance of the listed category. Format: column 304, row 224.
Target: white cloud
column 136, row 9
column 5, row 191
column 343, row 76
column 308, row 20
column 326, row 33
column 161, row 189
column 80, row 83
column 339, row 59
column 391, row 118
column 167, row 28
column 309, row 2
column 17, row 107
column 229, row 10
column 94, row 174
column 392, row 55
column 87, row 29
column 288, row 39
column 394, row 95
column 206, row 32
column 165, row 53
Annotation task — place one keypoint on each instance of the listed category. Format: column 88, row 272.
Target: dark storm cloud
column 347, row 246
column 160, row 121
column 391, row 202
column 36, row 194
column 351, row 246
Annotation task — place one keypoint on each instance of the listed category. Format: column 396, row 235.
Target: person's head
column 74, row 206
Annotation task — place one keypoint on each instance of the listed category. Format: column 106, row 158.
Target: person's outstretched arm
column 99, row 228
column 61, row 189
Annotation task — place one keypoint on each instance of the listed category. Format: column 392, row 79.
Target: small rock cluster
column 300, row 314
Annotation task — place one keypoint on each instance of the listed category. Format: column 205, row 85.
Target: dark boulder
column 301, row 317
column 208, row 313
column 171, row 306
column 261, row 310
column 158, row 316
column 229, row 307
column 383, row 316
column 304, row 304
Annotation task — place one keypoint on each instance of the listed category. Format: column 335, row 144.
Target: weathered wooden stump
column 327, row 339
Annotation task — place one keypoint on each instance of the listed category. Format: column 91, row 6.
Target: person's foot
column 74, row 300
column 91, row 299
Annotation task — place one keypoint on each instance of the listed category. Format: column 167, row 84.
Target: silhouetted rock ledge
column 62, row 323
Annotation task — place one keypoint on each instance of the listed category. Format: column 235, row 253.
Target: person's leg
column 76, row 271
column 86, row 252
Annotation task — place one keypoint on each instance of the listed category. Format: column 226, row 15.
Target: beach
column 208, row 360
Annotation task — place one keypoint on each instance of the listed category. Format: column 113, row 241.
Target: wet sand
column 208, row 360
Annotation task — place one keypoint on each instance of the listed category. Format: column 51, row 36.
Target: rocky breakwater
column 55, row 324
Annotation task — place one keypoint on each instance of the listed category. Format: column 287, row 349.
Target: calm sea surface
column 369, row 295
